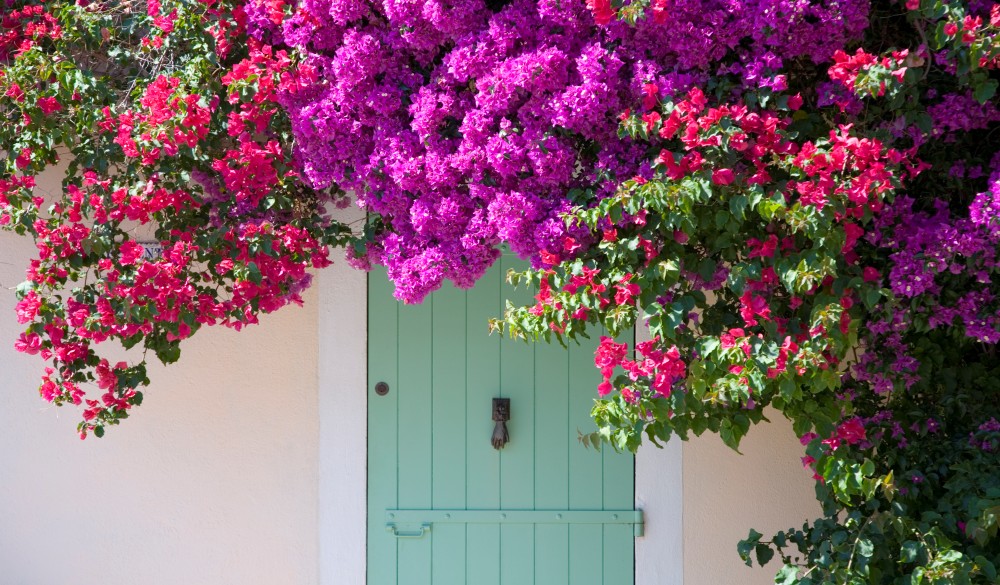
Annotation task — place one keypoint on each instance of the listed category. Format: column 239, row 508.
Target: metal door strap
column 414, row 523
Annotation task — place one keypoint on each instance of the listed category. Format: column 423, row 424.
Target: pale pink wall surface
column 726, row 494
column 213, row 480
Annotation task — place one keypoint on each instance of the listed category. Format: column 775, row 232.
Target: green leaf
column 745, row 546
column 707, row 345
column 764, row 554
column 909, row 552
column 865, row 548
column 168, row 353
column 721, row 219
column 787, row 575
column 738, row 205
column 988, row 568
column 985, row 91
column 253, row 273
column 788, row 389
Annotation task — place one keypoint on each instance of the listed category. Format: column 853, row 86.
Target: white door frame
column 343, row 418
column 343, row 443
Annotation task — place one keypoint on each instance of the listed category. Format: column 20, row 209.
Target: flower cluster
column 463, row 128
column 200, row 167
column 755, row 324
column 24, row 26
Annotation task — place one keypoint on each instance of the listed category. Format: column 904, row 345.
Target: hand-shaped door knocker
column 501, row 414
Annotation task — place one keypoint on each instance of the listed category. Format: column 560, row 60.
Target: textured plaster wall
column 726, row 494
column 214, row 480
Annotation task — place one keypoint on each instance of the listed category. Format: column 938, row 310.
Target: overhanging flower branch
column 740, row 252
column 168, row 117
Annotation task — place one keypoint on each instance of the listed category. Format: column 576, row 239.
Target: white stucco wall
column 214, row 480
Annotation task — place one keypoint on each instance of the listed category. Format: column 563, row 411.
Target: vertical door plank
column 585, row 559
column 415, row 400
column 552, row 554
column 482, row 484
column 586, row 468
column 619, row 468
column 553, row 440
column 517, row 554
column 382, row 334
column 517, row 459
column 448, row 554
column 619, row 479
column 483, row 382
column 414, row 561
column 415, row 431
column 553, row 436
column 483, row 554
column 586, row 473
column 517, row 382
column 619, row 554
column 619, row 494
column 449, row 402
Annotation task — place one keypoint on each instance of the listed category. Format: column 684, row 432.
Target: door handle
column 424, row 529
column 501, row 414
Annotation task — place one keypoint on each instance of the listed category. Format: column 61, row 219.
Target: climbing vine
column 799, row 201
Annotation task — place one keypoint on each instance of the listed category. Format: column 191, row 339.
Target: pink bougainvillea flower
column 851, row 431
column 131, row 252
column 609, row 354
column 649, row 96
column 765, row 249
column 49, row 105
column 753, row 306
column 626, row 291
column 29, row 343
column 602, row 11
column 723, row 176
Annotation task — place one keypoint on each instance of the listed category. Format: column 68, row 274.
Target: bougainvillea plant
column 798, row 200
column 180, row 205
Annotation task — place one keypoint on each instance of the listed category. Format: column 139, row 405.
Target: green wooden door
column 445, row 507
